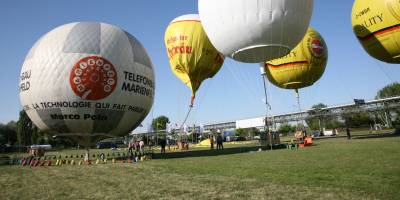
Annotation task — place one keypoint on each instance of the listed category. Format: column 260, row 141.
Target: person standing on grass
column 163, row 143
column 212, row 141
column 348, row 133
column 141, row 147
column 219, row 142
column 137, row 148
column 130, row 147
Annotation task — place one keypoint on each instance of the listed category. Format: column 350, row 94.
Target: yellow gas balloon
column 377, row 27
column 192, row 57
column 303, row 66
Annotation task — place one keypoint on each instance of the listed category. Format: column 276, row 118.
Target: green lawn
column 364, row 168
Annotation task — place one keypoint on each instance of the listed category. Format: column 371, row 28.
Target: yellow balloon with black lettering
column 377, row 27
column 191, row 55
column 303, row 66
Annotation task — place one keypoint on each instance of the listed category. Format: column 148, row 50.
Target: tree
column 319, row 106
column 160, row 123
column 8, row 133
column 314, row 122
column 5, row 134
column 385, row 115
column 358, row 120
column 25, row 129
column 321, row 119
column 390, row 90
column 13, row 125
column 254, row 132
column 286, row 128
column 240, row 132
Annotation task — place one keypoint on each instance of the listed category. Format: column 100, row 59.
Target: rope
column 266, row 127
column 301, row 122
column 187, row 114
column 384, row 72
column 203, row 95
column 266, row 95
column 240, row 78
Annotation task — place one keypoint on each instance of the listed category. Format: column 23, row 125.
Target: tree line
column 388, row 118
column 25, row 133
column 18, row 135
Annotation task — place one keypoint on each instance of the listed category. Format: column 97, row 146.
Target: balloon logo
column 192, row 57
column 376, row 24
column 303, row 66
column 93, row 78
column 317, row 48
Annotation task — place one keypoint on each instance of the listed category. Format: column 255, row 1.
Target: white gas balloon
column 87, row 79
column 255, row 30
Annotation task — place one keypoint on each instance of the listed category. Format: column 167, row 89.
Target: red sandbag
column 308, row 141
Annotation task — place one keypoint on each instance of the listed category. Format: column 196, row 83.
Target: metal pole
column 299, row 107
column 88, row 155
column 386, row 116
column 319, row 123
column 298, row 99
column 157, row 134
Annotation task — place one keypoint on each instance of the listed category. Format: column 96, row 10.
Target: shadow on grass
column 364, row 136
column 371, row 136
column 212, row 152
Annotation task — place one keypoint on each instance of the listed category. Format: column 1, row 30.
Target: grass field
column 363, row 168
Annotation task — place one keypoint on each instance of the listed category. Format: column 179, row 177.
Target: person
column 102, row 157
column 219, row 142
column 348, row 133
column 212, row 142
column 141, row 147
column 136, row 147
column 163, row 142
column 298, row 135
column 130, row 147
column 86, row 159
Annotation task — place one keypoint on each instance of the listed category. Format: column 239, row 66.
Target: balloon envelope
column 87, row 79
column 303, row 66
column 191, row 55
column 377, row 27
column 254, row 31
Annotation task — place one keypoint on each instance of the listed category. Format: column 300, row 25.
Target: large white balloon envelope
column 87, row 79
column 255, row 31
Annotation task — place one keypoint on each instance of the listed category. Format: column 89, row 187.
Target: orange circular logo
column 317, row 47
column 93, row 78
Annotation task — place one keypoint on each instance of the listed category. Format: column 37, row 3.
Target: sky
column 236, row 92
